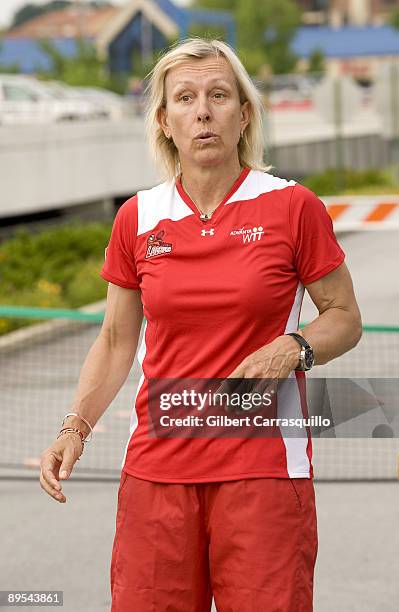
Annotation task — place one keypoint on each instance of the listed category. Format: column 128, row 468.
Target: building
column 119, row 33
column 350, row 50
column 67, row 23
column 338, row 13
column 146, row 26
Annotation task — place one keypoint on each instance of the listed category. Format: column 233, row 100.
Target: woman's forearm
column 334, row 332
column 104, row 371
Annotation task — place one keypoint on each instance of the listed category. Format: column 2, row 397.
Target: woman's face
column 202, row 95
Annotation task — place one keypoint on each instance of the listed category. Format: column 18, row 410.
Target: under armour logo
column 210, row 232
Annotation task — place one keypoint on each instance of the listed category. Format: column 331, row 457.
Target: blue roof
column 348, row 41
column 26, row 53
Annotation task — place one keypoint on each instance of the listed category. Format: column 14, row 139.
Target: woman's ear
column 245, row 114
column 162, row 120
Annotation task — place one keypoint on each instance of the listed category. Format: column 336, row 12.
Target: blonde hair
column 163, row 150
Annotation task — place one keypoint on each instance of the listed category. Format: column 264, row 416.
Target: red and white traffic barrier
column 350, row 213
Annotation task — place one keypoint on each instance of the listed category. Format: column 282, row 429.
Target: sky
column 8, row 7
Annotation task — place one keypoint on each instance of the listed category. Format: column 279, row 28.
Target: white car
column 90, row 107
column 26, row 100
column 112, row 103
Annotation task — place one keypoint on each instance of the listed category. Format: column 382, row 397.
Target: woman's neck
column 207, row 187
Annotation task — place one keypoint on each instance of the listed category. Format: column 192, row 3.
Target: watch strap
column 299, row 339
column 305, row 348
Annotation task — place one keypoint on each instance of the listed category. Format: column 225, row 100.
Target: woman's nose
column 203, row 108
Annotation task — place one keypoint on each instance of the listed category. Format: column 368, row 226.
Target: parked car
column 25, row 100
column 92, row 107
column 112, row 103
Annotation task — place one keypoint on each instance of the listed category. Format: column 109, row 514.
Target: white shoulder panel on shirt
column 160, row 202
column 256, row 183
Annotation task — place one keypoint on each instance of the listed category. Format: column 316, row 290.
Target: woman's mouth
column 207, row 138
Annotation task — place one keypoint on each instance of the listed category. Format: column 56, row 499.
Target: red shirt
column 213, row 292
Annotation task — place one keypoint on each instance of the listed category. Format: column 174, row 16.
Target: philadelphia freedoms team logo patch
column 156, row 246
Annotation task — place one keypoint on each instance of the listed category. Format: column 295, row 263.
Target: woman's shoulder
column 264, row 182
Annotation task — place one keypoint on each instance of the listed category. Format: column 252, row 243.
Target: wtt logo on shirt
column 249, row 235
column 156, row 246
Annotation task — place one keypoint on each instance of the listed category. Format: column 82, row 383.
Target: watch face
column 309, row 358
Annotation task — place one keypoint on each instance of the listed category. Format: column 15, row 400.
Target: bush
column 328, row 182
column 87, row 285
column 56, row 268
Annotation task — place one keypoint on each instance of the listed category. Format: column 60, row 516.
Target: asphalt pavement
column 67, row 547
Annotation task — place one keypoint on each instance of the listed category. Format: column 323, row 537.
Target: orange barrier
column 363, row 212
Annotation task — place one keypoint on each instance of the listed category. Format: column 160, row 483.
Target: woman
column 217, row 257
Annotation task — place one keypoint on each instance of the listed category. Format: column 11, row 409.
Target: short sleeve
column 119, row 266
column 317, row 251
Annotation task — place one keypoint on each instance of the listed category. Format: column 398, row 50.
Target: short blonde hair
column 164, row 152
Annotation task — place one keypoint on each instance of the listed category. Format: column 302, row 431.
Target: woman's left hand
column 271, row 362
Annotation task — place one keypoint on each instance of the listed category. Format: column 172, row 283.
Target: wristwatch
column 306, row 358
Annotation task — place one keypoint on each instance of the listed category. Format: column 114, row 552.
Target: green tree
column 83, row 69
column 29, row 11
column 207, row 31
column 316, row 61
column 393, row 18
column 265, row 29
column 220, row 5
column 211, row 31
column 269, row 27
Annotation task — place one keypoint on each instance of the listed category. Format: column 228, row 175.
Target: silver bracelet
column 83, row 419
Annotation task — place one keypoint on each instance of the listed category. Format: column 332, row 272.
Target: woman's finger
column 48, row 467
column 58, row 495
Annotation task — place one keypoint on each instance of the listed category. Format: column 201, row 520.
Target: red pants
column 251, row 543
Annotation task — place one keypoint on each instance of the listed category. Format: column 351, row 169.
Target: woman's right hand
column 57, row 462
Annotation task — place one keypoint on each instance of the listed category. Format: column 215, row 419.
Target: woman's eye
column 186, row 97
